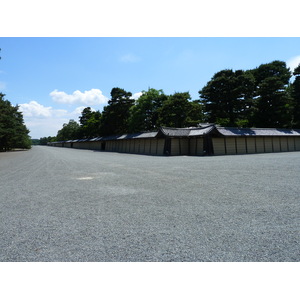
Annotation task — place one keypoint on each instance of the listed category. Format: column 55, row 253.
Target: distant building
column 208, row 139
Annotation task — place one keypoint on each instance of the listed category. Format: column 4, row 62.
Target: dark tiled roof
column 228, row 131
column 195, row 131
column 94, row 139
column 146, row 135
column 143, row 135
column 186, row 132
column 174, row 132
column 201, row 131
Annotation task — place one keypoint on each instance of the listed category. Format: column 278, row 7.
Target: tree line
column 262, row 97
column 13, row 131
column 125, row 115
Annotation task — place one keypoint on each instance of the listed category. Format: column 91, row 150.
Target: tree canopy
column 13, row 132
column 116, row 114
column 90, row 122
column 227, row 96
column 178, row 111
column 69, row 131
column 273, row 102
column 144, row 114
column 295, row 94
column 260, row 97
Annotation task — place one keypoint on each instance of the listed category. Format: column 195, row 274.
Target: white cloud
column 40, row 127
column 77, row 111
column 45, row 120
column 91, row 97
column 34, row 109
column 136, row 96
column 129, row 58
column 293, row 62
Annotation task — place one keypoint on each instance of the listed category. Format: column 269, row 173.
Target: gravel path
column 59, row 204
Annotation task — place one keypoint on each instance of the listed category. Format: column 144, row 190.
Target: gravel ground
column 59, row 204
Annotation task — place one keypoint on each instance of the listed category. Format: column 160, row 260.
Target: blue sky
column 53, row 79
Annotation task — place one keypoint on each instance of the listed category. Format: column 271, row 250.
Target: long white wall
column 258, row 144
column 193, row 146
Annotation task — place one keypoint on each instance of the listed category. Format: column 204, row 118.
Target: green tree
column 45, row 140
column 93, row 125
column 69, row 131
column 194, row 114
column 175, row 110
column 90, row 123
column 21, row 137
column 35, row 142
column 13, row 132
column 227, row 98
column 144, row 114
column 115, row 115
column 86, row 114
column 295, row 92
column 273, row 104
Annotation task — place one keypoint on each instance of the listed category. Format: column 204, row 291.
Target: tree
column 92, row 128
column 45, row 140
column 35, row 142
column 227, row 97
column 273, row 105
column 175, row 110
column 144, row 114
column 86, row 114
column 116, row 114
column 69, row 131
column 295, row 91
column 194, row 114
column 21, row 137
column 90, row 123
column 13, row 132
column 276, row 68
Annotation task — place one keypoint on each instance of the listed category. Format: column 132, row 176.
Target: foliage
column 45, row 140
column 175, row 111
column 85, row 116
column 260, row 97
column 152, row 110
column 227, row 97
column 115, row 115
column 253, row 98
column 194, row 114
column 69, row 131
column 90, row 122
column 144, row 114
column 273, row 104
column 13, row 132
column 35, row 142
column 295, row 93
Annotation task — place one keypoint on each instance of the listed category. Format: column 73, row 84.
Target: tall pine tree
column 13, row 132
column 144, row 114
column 115, row 115
column 227, row 98
column 295, row 87
column 273, row 104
